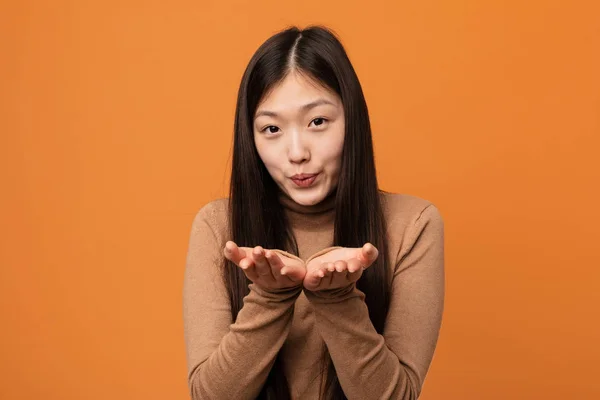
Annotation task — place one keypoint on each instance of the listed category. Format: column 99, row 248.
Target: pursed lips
column 302, row 176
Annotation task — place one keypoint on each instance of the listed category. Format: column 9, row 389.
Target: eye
column 270, row 129
column 319, row 121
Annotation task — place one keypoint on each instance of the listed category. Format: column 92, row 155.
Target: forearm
column 239, row 366
column 365, row 366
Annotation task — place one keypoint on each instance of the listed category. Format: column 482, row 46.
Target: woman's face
column 299, row 134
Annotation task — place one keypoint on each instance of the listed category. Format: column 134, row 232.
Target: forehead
column 295, row 91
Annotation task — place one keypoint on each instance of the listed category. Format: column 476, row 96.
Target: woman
column 309, row 282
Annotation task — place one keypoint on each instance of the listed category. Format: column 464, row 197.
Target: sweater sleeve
column 392, row 366
column 227, row 360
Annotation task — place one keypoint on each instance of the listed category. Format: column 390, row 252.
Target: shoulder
column 214, row 208
column 214, row 216
column 407, row 210
column 410, row 218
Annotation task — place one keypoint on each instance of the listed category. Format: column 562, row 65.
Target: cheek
column 271, row 157
column 332, row 150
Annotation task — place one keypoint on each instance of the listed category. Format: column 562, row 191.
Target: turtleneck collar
column 317, row 216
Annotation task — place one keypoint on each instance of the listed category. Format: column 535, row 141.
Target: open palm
column 339, row 267
column 266, row 268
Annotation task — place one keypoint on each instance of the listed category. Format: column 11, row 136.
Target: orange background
column 116, row 121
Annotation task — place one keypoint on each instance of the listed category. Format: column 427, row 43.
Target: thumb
column 311, row 280
column 368, row 254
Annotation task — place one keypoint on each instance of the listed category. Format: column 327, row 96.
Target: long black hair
column 317, row 53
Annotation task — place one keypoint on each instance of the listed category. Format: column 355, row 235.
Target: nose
column 298, row 151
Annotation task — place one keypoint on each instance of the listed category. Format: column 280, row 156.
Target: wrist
column 335, row 293
column 276, row 293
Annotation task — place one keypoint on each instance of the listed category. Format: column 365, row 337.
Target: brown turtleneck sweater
column 232, row 361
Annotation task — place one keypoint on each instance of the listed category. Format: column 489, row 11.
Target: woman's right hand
column 266, row 268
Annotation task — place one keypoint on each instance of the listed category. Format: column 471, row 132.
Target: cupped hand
column 266, row 268
column 339, row 268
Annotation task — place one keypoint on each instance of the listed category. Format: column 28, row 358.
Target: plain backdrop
column 116, row 123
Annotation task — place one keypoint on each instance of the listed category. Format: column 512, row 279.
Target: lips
column 303, row 176
column 304, row 180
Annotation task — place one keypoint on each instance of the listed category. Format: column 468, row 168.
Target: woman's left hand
column 339, row 268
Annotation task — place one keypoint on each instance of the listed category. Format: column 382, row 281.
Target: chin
column 309, row 202
column 307, row 199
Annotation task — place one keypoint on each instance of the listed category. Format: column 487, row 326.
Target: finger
column 279, row 269
column 246, row 263
column 340, row 266
column 368, row 255
column 339, row 277
column 330, row 266
column 328, row 279
column 262, row 265
column 354, row 265
column 294, row 273
column 233, row 253
column 355, row 270
column 323, row 272
column 251, row 273
column 274, row 260
column 340, row 274
column 313, row 279
column 323, row 275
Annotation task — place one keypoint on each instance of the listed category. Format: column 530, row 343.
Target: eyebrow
column 304, row 108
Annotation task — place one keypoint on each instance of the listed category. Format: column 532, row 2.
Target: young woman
column 309, row 282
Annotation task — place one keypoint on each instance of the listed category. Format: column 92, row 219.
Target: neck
column 320, row 215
